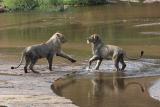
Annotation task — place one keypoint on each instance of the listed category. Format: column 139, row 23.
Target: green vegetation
column 46, row 4
column 20, row 4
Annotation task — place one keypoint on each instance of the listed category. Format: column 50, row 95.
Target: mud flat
column 31, row 90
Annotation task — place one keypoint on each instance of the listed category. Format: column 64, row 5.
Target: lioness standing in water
column 45, row 50
column 101, row 51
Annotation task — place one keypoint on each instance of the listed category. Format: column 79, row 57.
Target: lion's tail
column 142, row 52
column 136, row 83
column 22, row 57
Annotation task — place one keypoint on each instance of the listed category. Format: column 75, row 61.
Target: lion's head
column 57, row 37
column 94, row 38
column 60, row 37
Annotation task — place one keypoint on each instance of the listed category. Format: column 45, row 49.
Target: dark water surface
column 107, row 90
column 133, row 27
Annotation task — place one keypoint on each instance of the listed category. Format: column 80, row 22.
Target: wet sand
column 31, row 90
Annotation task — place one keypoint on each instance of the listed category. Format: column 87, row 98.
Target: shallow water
column 137, row 86
column 133, row 27
column 107, row 90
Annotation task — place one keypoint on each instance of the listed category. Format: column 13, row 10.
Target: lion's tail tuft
column 12, row 67
column 141, row 54
column 22, row 57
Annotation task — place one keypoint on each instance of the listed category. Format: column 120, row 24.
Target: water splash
column 143, row 67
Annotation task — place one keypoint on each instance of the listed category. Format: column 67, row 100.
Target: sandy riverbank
column 31, row 90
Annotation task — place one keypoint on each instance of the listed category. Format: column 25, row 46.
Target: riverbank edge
column 31, row 90
column 63, row 7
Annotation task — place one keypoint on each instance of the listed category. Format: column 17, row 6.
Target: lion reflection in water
column 117, row 84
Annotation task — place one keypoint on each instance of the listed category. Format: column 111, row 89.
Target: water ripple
column 147, row 24
column 143, row 67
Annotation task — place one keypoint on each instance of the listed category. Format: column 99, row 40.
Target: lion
column 46, row 50
column 101, row 51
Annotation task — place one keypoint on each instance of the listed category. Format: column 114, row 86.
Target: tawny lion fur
column 101, row 51
column 45, row 50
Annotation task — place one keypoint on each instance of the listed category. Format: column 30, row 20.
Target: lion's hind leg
column 50, row 58
column 33, row 61
column 27, row 59
column 116, row 60
column 122, row 62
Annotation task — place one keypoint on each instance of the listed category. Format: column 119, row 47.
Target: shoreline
column 33, row 90
column 61, row 7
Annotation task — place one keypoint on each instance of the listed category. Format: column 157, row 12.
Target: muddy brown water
column 106, row 90
column 133, row 27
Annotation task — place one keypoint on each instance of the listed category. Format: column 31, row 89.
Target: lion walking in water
column 47, row 50
column 101, row 51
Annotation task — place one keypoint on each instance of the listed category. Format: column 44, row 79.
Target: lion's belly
column 39, row 51
column 105, row 53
